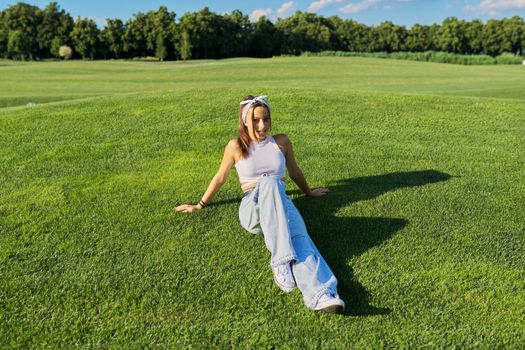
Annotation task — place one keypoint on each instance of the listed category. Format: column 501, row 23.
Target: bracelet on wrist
column 202, row 203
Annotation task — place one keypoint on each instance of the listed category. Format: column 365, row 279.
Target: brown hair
column 244, row 139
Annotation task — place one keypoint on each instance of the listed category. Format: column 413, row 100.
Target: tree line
column 28, row 32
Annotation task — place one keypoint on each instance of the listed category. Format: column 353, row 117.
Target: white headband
column 248, row 103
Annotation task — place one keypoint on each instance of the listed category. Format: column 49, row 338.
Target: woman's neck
column 261, row 141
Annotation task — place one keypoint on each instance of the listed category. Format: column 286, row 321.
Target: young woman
column 260, row 160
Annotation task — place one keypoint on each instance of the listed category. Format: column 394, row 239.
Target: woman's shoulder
column 281, row 139
column 233, row 144
column 233, row 148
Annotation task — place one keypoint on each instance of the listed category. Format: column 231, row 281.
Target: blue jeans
column 268, row 210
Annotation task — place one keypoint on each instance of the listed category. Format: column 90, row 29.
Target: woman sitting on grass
column 260, row 160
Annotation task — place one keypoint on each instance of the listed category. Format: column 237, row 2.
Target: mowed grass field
column 424, row 225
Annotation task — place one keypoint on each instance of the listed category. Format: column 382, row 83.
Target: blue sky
column 370, row 12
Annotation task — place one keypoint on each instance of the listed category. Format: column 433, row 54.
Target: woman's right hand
column 188, row 208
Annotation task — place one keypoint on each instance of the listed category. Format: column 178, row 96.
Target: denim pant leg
column 312, row 274
column 249, row 213
column 263, row 210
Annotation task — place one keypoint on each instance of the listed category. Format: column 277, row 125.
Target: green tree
column 19, row 45
column 494, row 41
column 112, row 37
column 348, row 35
column 134, row 39
column 388, row 37
column 359, row 40
column 161, row 51
column 514, row 29
column 4, row 36
column 434, row 35
column 203, row 28
column 185, row 46
column 304, row 32
column 265, row 39
column 235, row 31
column 451, row 36
column 55, row 23
column 474, row 36
column 55, row 46
column 154, row 33
column 419, row 38
column 162, row 34
column 85, row 37
column 337, row 42
column 23, row 19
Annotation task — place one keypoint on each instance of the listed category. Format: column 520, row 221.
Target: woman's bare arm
column 296, row 173
column 218, row 180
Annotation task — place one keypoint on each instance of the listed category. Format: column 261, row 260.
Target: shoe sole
column 333, row 309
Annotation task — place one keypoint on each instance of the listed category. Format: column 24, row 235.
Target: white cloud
column 360, row 6
column 256, row 14
column 286, row 8
column 492, row 7
column 317, row 5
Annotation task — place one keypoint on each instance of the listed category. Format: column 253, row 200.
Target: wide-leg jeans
column 268, row 210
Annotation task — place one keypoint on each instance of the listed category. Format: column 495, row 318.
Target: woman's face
column 259, row 127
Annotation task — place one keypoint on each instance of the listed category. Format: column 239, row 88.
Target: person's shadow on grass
column 339, row 239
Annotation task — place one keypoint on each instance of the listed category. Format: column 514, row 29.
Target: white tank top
column 263, row 158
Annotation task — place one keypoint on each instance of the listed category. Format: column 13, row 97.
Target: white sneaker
column 330, row 302
column 283, row 277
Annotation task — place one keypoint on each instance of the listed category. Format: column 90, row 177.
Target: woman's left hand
column 318, row 192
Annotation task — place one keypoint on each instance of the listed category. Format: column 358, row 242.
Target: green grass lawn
column 424, row 225
column 22, row 82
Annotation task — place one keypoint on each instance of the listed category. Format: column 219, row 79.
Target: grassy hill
column 424, row 224
column 23, row 82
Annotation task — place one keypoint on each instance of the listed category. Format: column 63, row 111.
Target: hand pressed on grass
column 318, row 192
column 188, row 208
